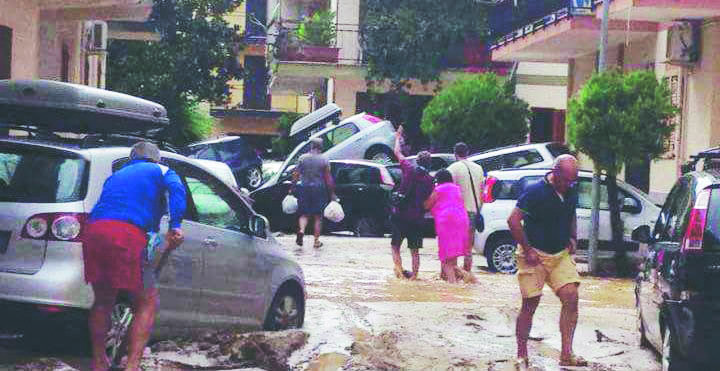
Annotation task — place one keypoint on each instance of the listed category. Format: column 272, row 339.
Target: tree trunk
column 594, row 222
column 616, row 225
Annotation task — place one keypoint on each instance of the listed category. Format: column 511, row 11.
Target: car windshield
column 557, row 149
column 28, row 175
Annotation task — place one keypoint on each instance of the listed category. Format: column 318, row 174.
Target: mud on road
column 360, row 317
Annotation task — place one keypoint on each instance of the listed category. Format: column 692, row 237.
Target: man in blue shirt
column 545, row 227
column 132, row 203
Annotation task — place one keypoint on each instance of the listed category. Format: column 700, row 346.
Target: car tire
column 500, row 255
column 671, row 359
column 381, row 154
column 253, row 178
column 287, row 310
column 367, row 226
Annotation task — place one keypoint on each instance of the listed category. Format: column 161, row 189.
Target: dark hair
column 461, row 149
column 424, row 159
column 443, row 176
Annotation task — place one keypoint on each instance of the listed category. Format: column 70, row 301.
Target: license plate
column 4, row 241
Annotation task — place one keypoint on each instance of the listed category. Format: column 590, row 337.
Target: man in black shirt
column 545, row 227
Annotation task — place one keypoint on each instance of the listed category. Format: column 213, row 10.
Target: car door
column 584, row 210
column 233, row 282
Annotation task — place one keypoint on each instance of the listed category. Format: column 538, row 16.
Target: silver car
column 229, row 272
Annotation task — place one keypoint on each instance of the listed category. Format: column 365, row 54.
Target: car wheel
column 500, row 256
column 671, row 358
column 253, row 177
column 382, row 155
column 287, row 310
column 115, row 342
column 367, row 227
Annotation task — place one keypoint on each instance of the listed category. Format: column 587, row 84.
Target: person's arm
column 398, row 144
column 176, row 205
column 330, row 183
column 430, row 202
column 518, row 234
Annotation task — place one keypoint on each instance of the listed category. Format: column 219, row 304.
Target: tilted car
column 533, row 155
column 504, row 187
column 676, row 292
column 363, row 187
column 244, row 162
column 229, row 271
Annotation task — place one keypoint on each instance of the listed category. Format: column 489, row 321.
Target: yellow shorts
column 557, row 270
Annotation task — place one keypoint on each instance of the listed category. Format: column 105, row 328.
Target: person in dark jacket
column 407, row 220
column 132, row 203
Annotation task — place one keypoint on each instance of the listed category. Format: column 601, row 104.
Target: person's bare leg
column 468, row 259
column 415, row 253
column 568, row 295
column 99, row 323
column 144, row 307
column 318, row 229
column 524, row 324
column 449, row 266
column 397, row 260
column 302, row 224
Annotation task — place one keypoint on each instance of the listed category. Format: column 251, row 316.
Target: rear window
column 512, row 189
column 355, row 174
column 711, row 237
column 39, row 176
column 557, row 149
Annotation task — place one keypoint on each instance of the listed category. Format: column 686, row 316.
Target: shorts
column 557, row 270
column 312, row 199
column 405, row 229
column 113, row 255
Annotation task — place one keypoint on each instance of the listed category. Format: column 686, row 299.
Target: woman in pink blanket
column 451, row 222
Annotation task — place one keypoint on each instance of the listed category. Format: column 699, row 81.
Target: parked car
column 244, row 162
column 230, row 271
column 439, row 161
column 503, row 188
column 363, row 188
column 677, row 290
column 534, row 155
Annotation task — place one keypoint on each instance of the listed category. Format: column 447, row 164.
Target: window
column 711, row 237
column 512, row 189
column 352, row 174
column 338, row 135
column 490, row 163
column 665, row 226
column 584, row 189
column 438, row 164
column 204, row 152
column 557, row 149
column 32, row 175
column 521, row 158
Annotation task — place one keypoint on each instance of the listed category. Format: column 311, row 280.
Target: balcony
column 663, row 10
column 566, row 34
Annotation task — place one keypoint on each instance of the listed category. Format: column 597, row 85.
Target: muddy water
column 360, row 316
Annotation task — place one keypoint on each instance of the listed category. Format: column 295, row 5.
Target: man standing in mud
column 544, row 225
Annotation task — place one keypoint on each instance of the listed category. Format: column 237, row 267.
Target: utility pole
column 595, row 214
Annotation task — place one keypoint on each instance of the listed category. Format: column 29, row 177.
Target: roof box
column 62, row 107
column 316, row 120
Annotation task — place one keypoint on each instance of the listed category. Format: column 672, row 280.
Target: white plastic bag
column 290, row 204
column 334, row 212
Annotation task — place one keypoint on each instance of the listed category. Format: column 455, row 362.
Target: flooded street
column 360, row 317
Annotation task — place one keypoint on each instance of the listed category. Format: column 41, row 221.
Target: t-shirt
column 417, row 184
column 311, row 167
column 547, row 218
column 461, row 177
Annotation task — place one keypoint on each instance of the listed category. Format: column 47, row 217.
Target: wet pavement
column 360, row 317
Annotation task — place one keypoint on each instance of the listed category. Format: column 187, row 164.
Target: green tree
column 192, row 63
column 282, row 145
column 481, row 111
column 409, row 39
column 619, row 118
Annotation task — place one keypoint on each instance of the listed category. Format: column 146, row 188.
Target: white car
column 502, row 189
column 534, row 155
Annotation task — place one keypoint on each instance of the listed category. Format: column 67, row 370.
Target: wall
column 53, row 34
column 22, row 17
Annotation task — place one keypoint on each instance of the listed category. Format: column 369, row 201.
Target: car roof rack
column 316, row 119
column 708, row 154
column 124, row 140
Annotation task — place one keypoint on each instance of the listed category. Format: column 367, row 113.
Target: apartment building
column 678, row 39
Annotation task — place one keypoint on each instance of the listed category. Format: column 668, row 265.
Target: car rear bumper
column 60, row 281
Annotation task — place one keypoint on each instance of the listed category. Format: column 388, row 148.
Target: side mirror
column 259, row 226
column 641, row 234
column 630, row 205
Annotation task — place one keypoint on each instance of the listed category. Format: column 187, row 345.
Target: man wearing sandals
column 544, row 225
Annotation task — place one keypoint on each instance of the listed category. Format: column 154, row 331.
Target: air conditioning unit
column 95, row 35
column 683, row 43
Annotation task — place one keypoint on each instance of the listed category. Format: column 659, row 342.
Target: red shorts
column 112, row 253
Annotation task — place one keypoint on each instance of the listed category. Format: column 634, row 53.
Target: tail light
column 386, row 178
column 696, row 227
column 55, row 227
column 487, row 194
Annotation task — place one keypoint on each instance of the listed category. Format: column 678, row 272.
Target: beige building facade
column 678, row 39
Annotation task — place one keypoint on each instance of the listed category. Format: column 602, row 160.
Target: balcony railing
column 345, row 49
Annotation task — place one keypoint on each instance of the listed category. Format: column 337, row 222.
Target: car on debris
column 244, row 162
column 504, row 187
column 533, row 155
column 362, row 186
column 676, row 291
column 230, row 271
